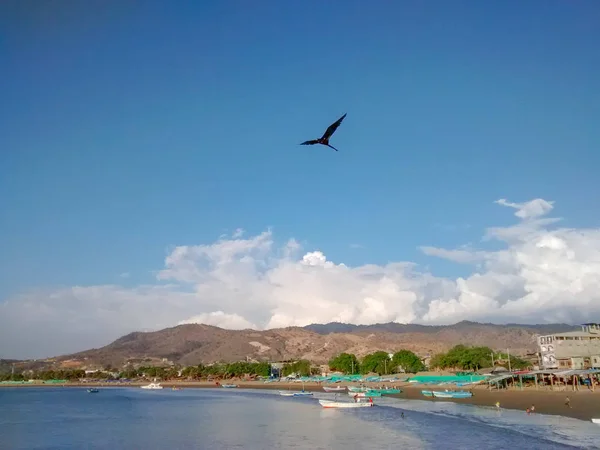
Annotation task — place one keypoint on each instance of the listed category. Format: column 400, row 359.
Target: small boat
column 93, row 390
column 427, row 393
column 332, row 404
column 152, row 386
column 384, row 391
column 364, row 394
column 596, row 421
column 286, row 393
column 175, row 388
column 452, row 394
column 334, row 389
column 302, row 394
column 229, row 386
column 295, row 393
column 356, row 389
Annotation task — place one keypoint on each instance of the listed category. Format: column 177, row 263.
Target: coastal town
column 566, row 365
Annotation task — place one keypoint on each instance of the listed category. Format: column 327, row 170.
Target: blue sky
column 126, row 129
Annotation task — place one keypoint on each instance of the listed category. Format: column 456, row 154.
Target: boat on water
column 334, row 389
column 229, row 386
column 295, row 393
column 334, row 404
column 364, row 394
column 93, row 390
column 596, row 421
column 152, row 386
column 427, row 393
column 452, row 394
column 174, row 388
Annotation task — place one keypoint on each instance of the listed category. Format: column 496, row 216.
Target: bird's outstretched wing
column 313, row 142
column 333, row 127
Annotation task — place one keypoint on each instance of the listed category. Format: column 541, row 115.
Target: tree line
column 460, row 357
column 475, row 358
column 378, row 362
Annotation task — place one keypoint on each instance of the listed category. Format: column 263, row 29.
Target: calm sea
column 129, row 418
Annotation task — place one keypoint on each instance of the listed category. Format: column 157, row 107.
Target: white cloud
column 457, row 255
column 529, row 210
column 238, row 233
column 542, row 274
column 220, row 319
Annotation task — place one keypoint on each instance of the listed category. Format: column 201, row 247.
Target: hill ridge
column 192, row 344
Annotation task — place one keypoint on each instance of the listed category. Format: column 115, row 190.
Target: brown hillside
column 193, row 344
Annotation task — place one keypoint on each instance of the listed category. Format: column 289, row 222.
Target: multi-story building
column 571, row 350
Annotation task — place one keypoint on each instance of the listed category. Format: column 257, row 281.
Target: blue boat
column 93, row 390
column 427, row 393
column 452, row 394
column 302, row 394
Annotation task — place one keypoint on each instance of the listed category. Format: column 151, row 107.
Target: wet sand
column 585, row 404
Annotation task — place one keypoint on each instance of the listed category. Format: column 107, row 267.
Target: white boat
column 334, row 389
column 332, row 404
column 364, row 394
column 452, row 394
column 152, row 386
column 286, row 393
column 295, row 393
column 229, row 386
column 357, row 389
column 596, row 421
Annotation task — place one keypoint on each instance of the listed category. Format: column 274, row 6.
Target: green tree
column 378, row 362
column 408, row 361
column 346, row 363
column 302, row 368
column 463, row 357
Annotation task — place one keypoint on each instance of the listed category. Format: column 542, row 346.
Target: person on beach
column 532, row 408
column 568, row 402
column 497, row 405
column 402, row 415
column 528, row 411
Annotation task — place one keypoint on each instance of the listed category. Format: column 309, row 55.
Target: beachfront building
column 575, row 350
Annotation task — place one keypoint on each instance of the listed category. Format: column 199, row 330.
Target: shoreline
column 585, row 404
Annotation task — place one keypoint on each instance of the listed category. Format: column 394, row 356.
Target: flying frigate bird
column 324, row 140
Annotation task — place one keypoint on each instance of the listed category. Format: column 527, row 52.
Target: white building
column 571, row 350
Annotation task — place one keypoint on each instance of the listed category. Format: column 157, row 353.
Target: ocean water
column 133, row 418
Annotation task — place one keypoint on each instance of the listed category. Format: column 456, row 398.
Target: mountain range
column 192, row 344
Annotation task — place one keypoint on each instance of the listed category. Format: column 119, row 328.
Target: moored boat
column 334, row 389
column 364, row 394
column 427, row 393
column 229, row 386
column 302, row 394
column 152, row 386
column 93, row 390
column 295, row 393
column 384, row 391
column 356, row 389
column 334, row 404
column 452, row 394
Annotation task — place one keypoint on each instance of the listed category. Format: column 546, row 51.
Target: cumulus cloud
column 529, row 210
column 542, row 274
column 220, row 319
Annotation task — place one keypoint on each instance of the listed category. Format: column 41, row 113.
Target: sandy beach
column 584, row 404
